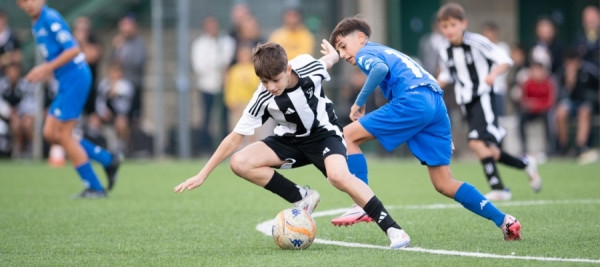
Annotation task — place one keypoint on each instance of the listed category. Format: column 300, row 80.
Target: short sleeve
column 60, row 31
column 306, row 66
column 490, row 50
column 365, row 60
column 255, row 113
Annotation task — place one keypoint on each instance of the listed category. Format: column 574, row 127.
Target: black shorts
column 297, row 152
column 483, row 121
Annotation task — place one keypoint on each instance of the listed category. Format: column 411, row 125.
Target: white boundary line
column 265, row 228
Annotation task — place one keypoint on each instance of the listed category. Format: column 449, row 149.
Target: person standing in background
column 91, row 48
column 10, row 47
column 428, row 48
column 293, row 36
column 491, row 31
column 211, row 54
column 587, row 42
column 240, row 84
column 237, row 15
column 546, row 39
column 129, row 50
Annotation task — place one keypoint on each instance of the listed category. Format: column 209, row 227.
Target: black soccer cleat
column 112, row 170
column 90, row 194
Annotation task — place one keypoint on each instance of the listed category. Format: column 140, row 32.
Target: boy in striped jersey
column 473, row 63
column 307, row 133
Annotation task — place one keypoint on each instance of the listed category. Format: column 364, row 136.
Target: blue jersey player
column 416, row 114
column 64, row 58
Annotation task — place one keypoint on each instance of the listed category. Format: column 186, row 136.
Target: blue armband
column 376, row 76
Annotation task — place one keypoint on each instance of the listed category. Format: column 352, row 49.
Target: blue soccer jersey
column 53, row 36
column 403, row 73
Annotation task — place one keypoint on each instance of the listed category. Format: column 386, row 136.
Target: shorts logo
column 57, row 112
column 289, row 111
column 326, row 150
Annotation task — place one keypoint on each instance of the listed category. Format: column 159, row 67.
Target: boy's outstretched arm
column 376, row 75
column 227, row 146
column 43, row 70
column 330, row 56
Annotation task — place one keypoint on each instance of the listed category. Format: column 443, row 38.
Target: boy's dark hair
column 270, row 60
column 490, row 25
column 571, row 54
column 451, row 11
column 348, row 26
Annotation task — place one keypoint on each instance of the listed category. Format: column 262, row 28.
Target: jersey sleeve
column 365, row 60
column 60, row 31
column 306, row 66
column 255, row 113
column 490, row 50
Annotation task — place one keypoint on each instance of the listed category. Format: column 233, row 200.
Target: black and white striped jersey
column 469, row 64
column 300, row 112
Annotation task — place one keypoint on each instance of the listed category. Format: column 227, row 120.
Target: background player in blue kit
column 416, row 114
column 64, row 58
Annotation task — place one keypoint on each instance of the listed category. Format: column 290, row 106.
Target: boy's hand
column 356, row 112
column 190, row 183
column 490, row 79
column 38, row 73
column 327, row 48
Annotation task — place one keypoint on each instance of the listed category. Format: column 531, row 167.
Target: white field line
column 265, row 228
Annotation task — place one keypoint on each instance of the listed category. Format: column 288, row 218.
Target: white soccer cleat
column 535, row 180
column 398, row 238
column 309, row 202
column 499, row 195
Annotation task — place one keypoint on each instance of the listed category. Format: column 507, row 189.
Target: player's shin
column 357, row 163
column 97, row 153
column 473, row 200
column 285, row 188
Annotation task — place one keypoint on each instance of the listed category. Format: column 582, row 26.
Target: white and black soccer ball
column 294, row 229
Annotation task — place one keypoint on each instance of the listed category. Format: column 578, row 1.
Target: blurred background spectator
column 18, row 105
column 546, row 41
column 10, row 47
column 91, row 47
column 578, row 81
column 129, row 50
column 293, row 36
column 428, row 48
column 491, row 31
column 113, row 103
column 587, row 42
column 536, row 100
column 240, row 85
column 211, row 54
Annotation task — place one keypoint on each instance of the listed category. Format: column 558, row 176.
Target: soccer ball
column 294, row 229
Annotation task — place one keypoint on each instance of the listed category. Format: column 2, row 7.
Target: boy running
column 473, row 63
column 64, row 58
column 416, row 114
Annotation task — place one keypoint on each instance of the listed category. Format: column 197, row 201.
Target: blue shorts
column 73, row 90
column 420, row 119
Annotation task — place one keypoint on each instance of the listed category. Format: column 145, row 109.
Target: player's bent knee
column 338, row 179
column 238, row 164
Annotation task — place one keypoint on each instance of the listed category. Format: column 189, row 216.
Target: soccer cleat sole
column 359, row 220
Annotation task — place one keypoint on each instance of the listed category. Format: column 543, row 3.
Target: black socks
column 284, row 188
column 489, row 168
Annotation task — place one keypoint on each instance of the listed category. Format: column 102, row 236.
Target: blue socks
column 97, row 153
column 88, row 176
column 357, row 163
column 474, row 201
